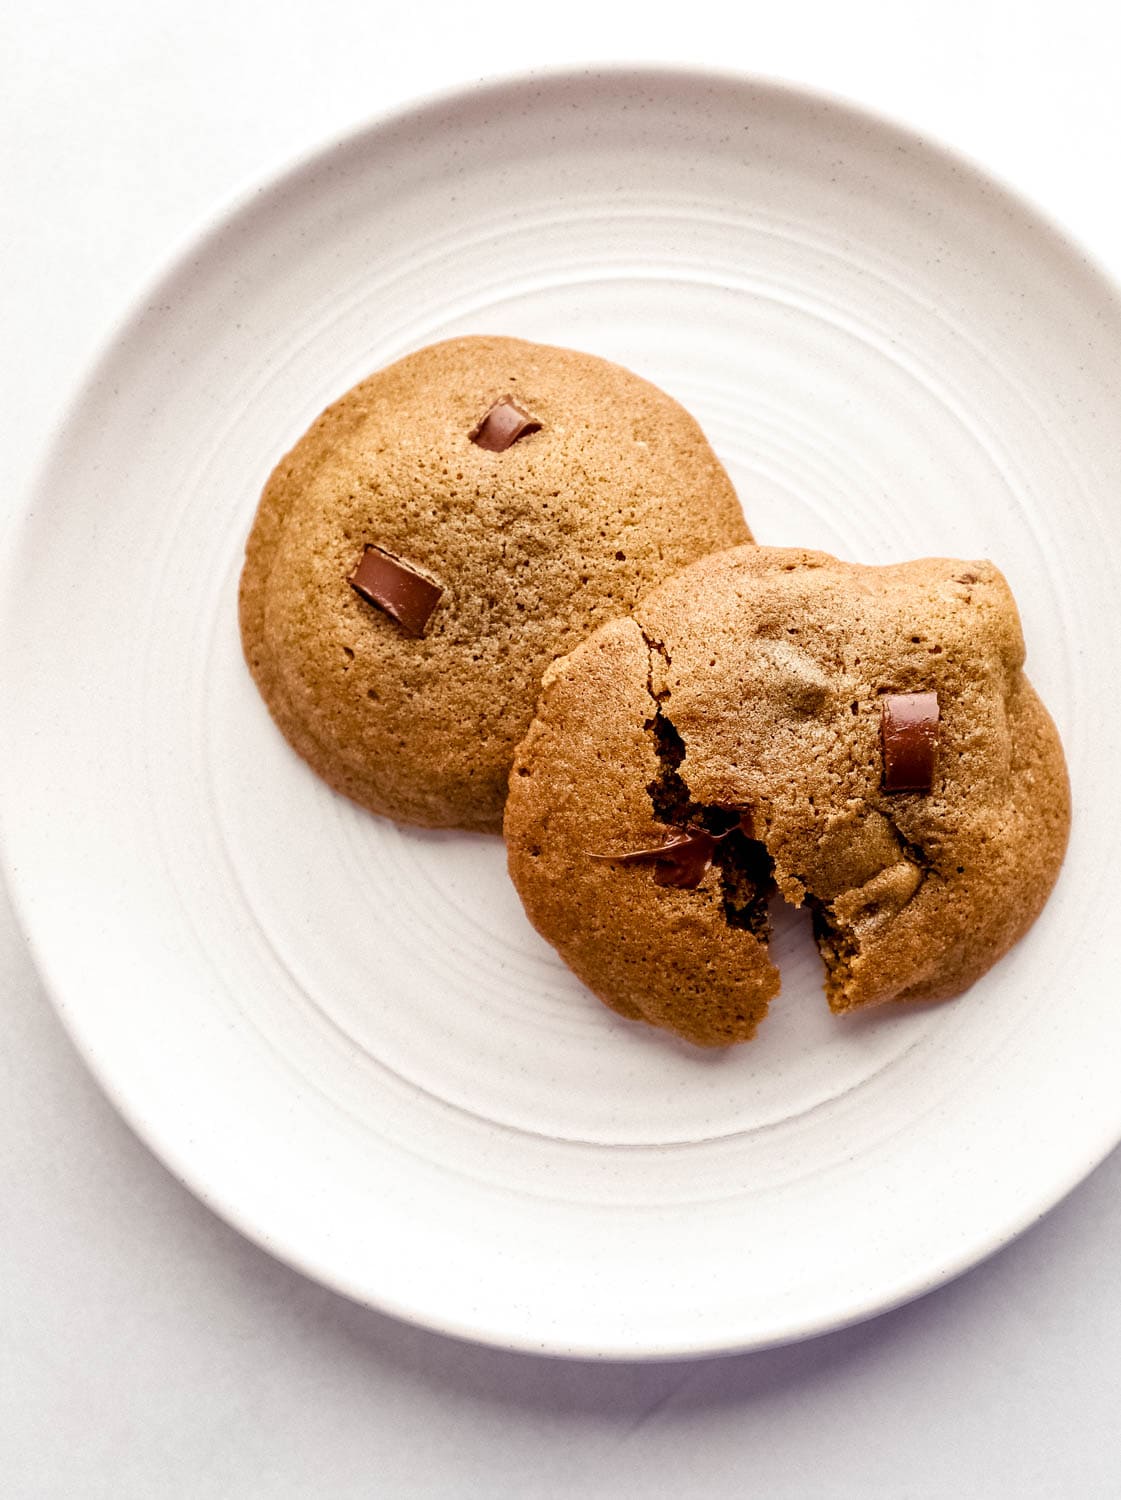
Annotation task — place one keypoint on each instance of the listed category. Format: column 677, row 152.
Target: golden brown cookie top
column 539, row 490
column 771, row 675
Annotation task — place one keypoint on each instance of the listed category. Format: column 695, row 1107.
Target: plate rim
column 200, row 236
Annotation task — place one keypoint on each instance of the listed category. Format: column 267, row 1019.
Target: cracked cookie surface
column 750, row 685
column 606, row 486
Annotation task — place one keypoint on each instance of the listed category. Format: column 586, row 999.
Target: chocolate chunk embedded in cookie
column 438, row 536
column 863, row 739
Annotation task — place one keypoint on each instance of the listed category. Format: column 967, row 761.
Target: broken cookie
column 861, row 739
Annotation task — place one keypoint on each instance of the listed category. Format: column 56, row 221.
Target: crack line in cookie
column 915, row 853
column 745, row 868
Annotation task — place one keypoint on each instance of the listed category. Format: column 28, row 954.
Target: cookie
column 862, row 739
column 438, row 536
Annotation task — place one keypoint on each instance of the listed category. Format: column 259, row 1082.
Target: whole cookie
column 863, row 738
column 438, row 536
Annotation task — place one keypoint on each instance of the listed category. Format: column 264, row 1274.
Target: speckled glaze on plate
column 343, row 1034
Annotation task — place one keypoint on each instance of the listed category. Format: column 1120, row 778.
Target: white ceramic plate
column 343, row 1034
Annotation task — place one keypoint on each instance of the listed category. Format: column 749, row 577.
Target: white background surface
column 145, row 1350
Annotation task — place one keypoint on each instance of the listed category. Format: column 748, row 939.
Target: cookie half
column 438, row 536
column 862, row 739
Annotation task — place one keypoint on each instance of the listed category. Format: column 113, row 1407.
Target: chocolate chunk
column 680, row 861
column 685, row 854
column 909, row 732
column 405, row 595
column 684, row 863
column 504, row 424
